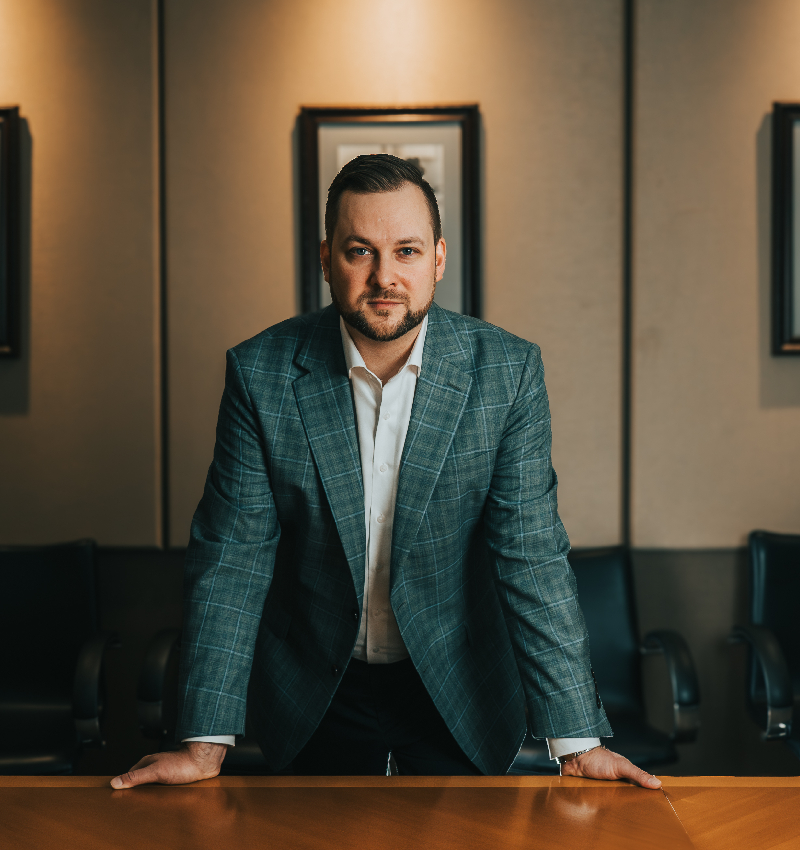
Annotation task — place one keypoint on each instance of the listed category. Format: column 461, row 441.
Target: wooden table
column 395, row 813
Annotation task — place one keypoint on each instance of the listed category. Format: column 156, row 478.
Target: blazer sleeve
column 535, row 584
column 228, row 569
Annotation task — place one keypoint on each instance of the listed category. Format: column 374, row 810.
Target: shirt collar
column 354, row 359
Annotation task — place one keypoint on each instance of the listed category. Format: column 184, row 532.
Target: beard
column 358, row 320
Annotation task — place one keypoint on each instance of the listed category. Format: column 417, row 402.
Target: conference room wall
column 714, row 413
column 78, row 411
column 716, row 417
column 548, row 78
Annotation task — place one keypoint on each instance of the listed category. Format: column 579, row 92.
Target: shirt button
column 387, row 415
column 383, row 467
column 379, row 568
column 381, row 518
column 376, row 649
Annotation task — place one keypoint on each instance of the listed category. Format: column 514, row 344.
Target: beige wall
column 547, row 76
column 78, row 418
column 716, row 418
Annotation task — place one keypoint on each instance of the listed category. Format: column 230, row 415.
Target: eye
column 360, row 251
column 408, row 252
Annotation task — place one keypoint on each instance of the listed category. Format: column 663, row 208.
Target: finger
column 144, row 762
column 136, row 777
column 640, row 777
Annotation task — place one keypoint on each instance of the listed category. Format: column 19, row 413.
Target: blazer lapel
column 326, row 407
column 439, row 401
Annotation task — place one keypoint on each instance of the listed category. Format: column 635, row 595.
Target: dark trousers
column 378, row 710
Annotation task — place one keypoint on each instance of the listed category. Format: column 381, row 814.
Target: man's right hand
column 195, row 760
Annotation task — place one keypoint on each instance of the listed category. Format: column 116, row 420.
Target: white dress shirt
column 383, row 411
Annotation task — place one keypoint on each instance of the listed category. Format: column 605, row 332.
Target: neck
column 384, row 359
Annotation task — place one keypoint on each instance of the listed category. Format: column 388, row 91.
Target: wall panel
column 78, row 413
column 716, row 418
column 547, row 76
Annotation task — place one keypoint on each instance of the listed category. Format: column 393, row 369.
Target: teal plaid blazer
column 480, row 585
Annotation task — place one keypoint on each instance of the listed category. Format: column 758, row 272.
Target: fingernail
column 116, row 782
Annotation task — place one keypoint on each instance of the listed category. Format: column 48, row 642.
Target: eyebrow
column 409, row 240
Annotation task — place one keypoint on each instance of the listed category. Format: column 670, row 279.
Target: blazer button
column 335, row 670
column 355, row 615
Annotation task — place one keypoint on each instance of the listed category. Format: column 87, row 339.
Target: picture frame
column 9, row 232
column 443, row 140
column 786, row 229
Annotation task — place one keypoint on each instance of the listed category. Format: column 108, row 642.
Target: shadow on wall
column 15, row 374
column 779, row 377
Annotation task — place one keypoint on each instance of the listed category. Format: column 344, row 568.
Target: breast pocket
column 466, row 475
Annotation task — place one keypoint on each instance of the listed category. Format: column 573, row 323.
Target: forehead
column 399, row 214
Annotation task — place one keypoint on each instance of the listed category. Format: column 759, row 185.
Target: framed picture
column 442, row 141
column 786, row 228
column 9, row 232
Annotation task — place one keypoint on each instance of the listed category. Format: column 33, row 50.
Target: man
column 377, row 563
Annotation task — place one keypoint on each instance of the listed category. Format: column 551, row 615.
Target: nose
column 382, row 273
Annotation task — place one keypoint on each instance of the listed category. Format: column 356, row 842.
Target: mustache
column 383, row 295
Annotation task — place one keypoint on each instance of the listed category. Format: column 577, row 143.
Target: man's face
column 383, row 265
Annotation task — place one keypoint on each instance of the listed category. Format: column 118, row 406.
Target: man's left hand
column 601, row 763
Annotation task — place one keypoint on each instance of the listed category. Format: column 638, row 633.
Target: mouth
column 384, row 305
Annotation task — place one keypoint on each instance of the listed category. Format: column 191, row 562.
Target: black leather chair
column 157, row 709
column 773, row 635
column 605, row 590
column 51, row 684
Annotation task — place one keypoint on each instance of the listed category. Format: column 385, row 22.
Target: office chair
column 773, row 635
column 157, row 707
column 51, row 683
column 605, row 591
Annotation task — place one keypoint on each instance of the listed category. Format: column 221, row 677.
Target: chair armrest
column 777, row 679
column 87, row 706
column 150, row 693
column 685, row 689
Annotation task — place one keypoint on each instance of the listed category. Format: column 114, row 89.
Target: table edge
column 413, row 782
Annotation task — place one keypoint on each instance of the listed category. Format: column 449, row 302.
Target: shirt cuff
column 564, row 746
column 230, row 740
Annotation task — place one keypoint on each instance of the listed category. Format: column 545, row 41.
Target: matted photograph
column 441, row 141
column 786, row 228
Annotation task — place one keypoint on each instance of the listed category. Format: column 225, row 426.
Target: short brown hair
column 378, row 172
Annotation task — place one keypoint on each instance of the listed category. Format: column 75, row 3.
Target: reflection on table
column 399, row 812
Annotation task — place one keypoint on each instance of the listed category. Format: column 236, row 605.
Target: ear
column 441, row 256
column 325, row 259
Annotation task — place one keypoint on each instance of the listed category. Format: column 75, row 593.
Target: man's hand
column 193, row 761
column 601, row 763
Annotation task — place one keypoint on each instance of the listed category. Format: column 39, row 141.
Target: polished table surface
column 394, row 813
